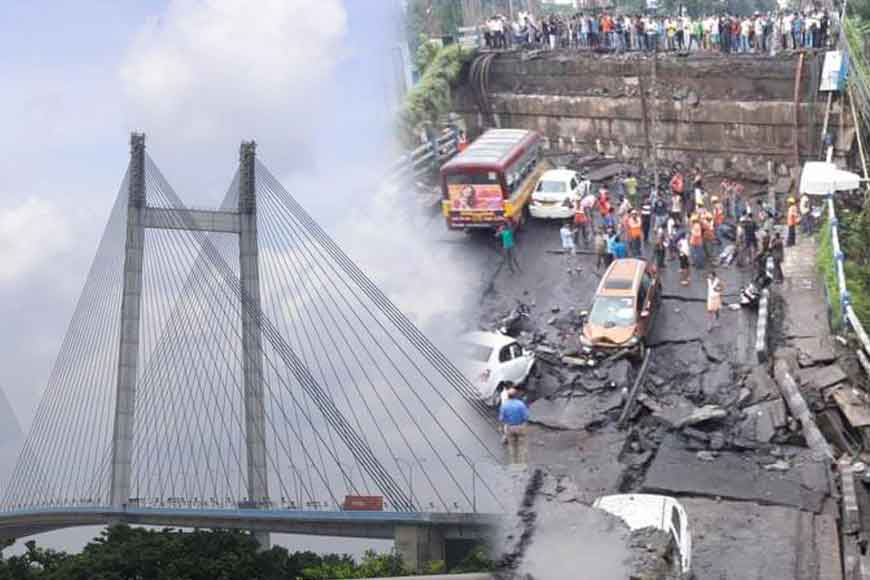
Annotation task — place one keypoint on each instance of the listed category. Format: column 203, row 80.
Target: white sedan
column 556, row 193
column 491, row 360
column 642, row 510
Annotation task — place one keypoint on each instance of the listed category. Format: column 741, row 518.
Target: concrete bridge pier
column 419, row 544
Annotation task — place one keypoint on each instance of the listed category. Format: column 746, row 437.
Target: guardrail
column 427, row 157
column 848, row 313
column 763, row 316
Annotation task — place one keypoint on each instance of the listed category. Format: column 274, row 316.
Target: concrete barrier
column 763, row 317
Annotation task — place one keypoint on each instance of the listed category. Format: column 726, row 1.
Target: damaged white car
column 492, row 360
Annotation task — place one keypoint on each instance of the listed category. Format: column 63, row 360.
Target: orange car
column 623, row 308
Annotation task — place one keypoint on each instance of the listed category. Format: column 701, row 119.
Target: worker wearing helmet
column 793, row 218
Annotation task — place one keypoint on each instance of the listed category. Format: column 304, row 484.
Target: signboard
column 469, row 198
column 834, row 71
column 468, row 37
column 475, row 205
column 651, row 5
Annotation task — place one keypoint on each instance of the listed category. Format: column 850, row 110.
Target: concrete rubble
column 710, row 425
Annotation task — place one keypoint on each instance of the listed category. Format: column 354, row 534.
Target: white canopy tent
column 822, row 178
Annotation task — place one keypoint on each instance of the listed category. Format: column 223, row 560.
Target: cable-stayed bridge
column 234, row 368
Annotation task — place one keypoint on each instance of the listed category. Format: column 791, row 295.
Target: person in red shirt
column 603, row 202
column 792, row 219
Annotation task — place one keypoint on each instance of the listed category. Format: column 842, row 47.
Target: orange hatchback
column 623, row 308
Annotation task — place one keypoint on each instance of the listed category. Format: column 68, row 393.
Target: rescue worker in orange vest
column 696, row 241
column 635, row 233
column 792, row 219
column 718, row 218
column 581, row 222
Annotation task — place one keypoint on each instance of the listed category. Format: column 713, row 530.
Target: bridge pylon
column 243, row 222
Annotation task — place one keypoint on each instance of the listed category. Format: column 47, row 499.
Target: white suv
column 491, row 360
column 556, row 193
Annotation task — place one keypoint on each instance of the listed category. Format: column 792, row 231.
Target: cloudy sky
column 310, row 80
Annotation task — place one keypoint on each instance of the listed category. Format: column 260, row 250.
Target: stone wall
column 729, row 114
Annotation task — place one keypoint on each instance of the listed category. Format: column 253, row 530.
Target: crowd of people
column 728, row 33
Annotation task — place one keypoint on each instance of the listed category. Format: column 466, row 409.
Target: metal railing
column 428, row 157
column 848, row 313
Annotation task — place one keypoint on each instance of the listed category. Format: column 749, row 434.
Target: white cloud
column 31, row 234
column 208, row 66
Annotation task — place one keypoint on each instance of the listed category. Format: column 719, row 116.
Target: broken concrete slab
column 574, row 412
column 762, row 420
column 676, row 470
column 762, row 385
column 678, row 322
column 748, row 540
column 814, row 350
column 677, row 411
column 619, row 373
column 702, row 415
column 590, row 459
column 855, row 405
column 821, row 377
column 719, row 377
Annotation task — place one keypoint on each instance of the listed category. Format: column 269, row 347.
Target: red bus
column 491, row 181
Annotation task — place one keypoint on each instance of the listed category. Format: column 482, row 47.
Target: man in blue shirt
column 619, row 249
column 514, row 414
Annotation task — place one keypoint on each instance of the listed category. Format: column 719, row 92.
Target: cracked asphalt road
column 573, row 434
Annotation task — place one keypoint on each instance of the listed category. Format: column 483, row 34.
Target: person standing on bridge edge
column 506, row 234
column 514, row 415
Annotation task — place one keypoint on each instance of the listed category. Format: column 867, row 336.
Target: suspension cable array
column 357, row 400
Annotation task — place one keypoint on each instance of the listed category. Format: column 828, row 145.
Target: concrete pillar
column 128, row 355
column 418, row 545
column 252, row 335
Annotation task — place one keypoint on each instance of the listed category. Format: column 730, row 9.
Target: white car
column 556, row 193
column 641, row 510
column 491, row 359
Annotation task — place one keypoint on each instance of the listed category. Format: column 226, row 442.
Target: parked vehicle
column 555, row 194
column 491, row 181
column 640, row 510
column 623, row 308
column 492, row 360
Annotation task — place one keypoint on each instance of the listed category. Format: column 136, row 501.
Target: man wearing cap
column 514, row 415
column 792, row 220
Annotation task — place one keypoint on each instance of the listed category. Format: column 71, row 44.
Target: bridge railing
column 858, row 88
column 428, row 157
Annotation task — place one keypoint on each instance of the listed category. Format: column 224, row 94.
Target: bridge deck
column 352, row 524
